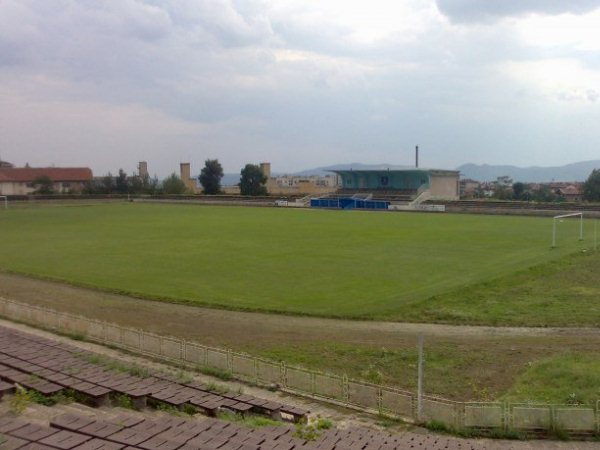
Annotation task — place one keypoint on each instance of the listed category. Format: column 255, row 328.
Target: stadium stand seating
column 127, row 431
column 49, row 367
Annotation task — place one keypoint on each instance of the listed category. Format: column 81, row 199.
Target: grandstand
column 377, row 188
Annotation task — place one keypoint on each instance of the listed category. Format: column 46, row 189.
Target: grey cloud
column 492, row 10
column 303, row 92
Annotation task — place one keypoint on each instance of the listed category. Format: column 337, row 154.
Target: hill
column 578, row 171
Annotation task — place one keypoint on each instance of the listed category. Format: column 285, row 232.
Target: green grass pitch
column 332, row 263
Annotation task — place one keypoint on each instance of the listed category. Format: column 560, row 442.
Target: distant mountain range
column 571, row 172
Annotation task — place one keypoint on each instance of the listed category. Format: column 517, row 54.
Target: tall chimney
column 143, row 169
column 265, row 168
column 417, row 156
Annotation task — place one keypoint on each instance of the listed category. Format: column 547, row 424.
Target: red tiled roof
column 27, row 175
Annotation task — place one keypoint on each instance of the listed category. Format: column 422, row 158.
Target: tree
column 544, row 194
column 108, row 184
column 518, row 190
column 173, row 185
column 122, row 182
column 43, row 185
column 252, row 181
column 502, row 187
column 210, row 177
column 591, row 187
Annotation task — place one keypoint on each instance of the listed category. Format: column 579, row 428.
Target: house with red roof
column 21, row 180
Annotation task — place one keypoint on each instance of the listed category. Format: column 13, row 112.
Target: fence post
column 313, row 382
column 380, row 399
column 420, row 378
column 345, row 389
column 460, row 413
column 230, row 360
column 282, row 374
column 160, row 346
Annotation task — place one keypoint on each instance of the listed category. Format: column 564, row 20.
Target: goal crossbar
column 563, row 216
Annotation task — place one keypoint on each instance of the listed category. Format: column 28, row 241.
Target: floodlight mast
column 562, row 216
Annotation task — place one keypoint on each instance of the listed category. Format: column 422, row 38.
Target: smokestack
column 417, row 156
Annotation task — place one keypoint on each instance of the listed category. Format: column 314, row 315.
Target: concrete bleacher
column 130, row 431
column 391, row 195
column 50, row 368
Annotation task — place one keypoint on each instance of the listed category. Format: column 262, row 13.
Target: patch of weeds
column 20, row 400
column 116, row 366
column 184, row 377
column 560, row 434
column 76, row 336
column 436, row 425
column 224, row 375
column 323, row 424
column 311, row 429
column 189, row 410
column 137, row 371
column 387, row 422
column 23, row 397
column 92, row 358
column 372, row 375
column 494, row 433
column 573, row 399
column 249, row 420
column 170, row 409
column 499, row 433
column 123, row 401
column 217, row 388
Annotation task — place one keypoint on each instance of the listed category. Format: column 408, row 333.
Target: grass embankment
column 571, row 378
column 404, row 267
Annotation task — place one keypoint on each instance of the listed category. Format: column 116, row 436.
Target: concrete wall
column 14, row 188
column 444, row 187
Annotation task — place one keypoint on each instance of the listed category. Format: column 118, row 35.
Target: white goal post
column 5, row 198
column 564, row 216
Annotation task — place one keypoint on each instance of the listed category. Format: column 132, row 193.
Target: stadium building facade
column 440, row 184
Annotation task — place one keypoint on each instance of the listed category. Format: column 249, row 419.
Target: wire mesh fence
column 305, row 382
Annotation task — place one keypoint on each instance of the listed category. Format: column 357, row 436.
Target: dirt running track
column 498, row 354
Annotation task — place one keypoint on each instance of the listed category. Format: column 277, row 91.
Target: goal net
column 558, row 220
column 4, row 201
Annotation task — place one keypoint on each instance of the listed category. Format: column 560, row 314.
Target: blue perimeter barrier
column 348, row 203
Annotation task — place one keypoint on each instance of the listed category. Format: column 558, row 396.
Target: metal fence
column 309, row 383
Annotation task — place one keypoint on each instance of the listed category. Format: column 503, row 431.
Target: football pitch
column 351, row 264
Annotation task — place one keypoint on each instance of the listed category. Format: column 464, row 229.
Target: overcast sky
column 298, row 83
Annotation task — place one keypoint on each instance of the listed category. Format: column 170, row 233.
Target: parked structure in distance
column 21, row 180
